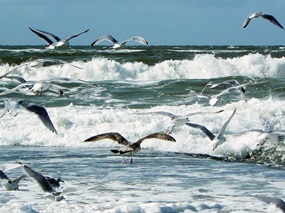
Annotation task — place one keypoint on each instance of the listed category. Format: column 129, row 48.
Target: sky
column 161, row 22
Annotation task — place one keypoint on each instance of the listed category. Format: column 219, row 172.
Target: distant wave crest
column 202, row 66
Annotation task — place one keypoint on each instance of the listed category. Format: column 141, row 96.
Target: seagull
column 228, row 84
column 12, row 70
column 272, row 136
column 218, row 139
column 37, row 87
column 9, row 184
column 118, row 44
column 261, row 15
column 59, row 42
column 42, row 181
column 129, row 148
column 11, row 106
column 214, row 99
column 40, row 62
column 279, row 203
column 178, row 120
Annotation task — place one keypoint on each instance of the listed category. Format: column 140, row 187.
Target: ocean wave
column 202, row 66
column 74, row 124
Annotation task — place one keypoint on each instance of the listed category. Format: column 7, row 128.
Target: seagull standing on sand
column 42, row 181
column 9, row 184
column 216, row 140
column 129, row 148
column 261, row 15
column 118, row 44
column 11, row 106
column 59, row 42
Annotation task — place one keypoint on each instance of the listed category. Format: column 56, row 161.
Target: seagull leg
column 170, row 131
column 123, row 161
column 132, row 160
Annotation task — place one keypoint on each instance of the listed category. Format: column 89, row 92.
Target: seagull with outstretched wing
column 128, row 147
column 264, row 16
column 118, row 44
column 58, row 41
column 13, row 107
column 216, row 139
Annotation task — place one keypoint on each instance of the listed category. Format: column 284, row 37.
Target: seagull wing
column 18, row 179
column 202, row 113
column 8, row 91
column 41, row 112
column 137, row 39
column 39, row 178
column 55, row 88
column 157, row 135
column 3, row 176
column 42, row 36
column 73, row 36
column 279, row 203
column 12, row 70
column 271, row 19
column 17, row 78
column 110, row 135
column 246, row 22
column 52, row 35
column 203, row 128
column 223, row 128
column 103, row 38
column 168, row 114
column 248, row 19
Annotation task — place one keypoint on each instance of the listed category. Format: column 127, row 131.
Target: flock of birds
column 48, row 184
column 116, row 44
column 64, row 42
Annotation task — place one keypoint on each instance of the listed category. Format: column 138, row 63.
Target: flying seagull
column 129, row 148
column 271, row 136
column 214, row 99
column 178, row 120
column 37, row 87
column 40, row 62
column 261, row 15
column 9, row 184
column 12, row 106
column 42, row 181
column 227, row 84
column 279, row 203
column 218, row 139
column 118, row 44
column 58, row 41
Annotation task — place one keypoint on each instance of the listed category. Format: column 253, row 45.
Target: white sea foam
column 76, row 123
column 202, row 66
column 111, row 187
